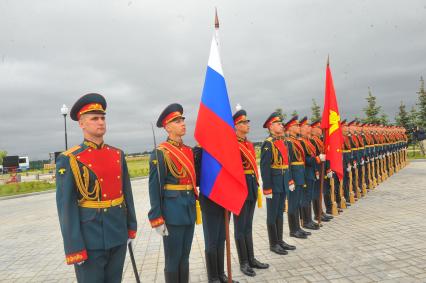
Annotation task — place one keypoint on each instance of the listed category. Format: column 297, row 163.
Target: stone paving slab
column 381, row 238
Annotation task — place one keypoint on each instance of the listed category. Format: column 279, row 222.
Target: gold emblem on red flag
column 334, row 119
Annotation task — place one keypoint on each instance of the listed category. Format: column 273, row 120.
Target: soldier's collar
column 241, row 139
column 175, row 143
column 92, row 144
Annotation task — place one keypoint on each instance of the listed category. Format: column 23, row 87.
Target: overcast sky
column 143, row 55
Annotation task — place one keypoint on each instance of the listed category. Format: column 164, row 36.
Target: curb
column 50, row 191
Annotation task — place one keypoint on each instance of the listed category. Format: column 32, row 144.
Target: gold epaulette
column 269, row 139
column 71, row 150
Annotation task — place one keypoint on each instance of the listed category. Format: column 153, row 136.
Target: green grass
column 24, row 188
column 138, row 166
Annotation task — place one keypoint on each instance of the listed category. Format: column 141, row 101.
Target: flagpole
column 321, row 184
column 226, row 214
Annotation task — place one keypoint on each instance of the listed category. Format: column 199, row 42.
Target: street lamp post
column 64, row 112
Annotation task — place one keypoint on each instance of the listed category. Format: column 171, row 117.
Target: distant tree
column 421, row 114
column 402, row 118
column 372, row 110
column 384, row 120
column 294, row 113
column 3, row 153
column 412, row 118
column 316, row 111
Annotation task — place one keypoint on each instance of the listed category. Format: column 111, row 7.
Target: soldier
column 277, row 182
column 172, row 193
column 243, row 223
column 347, row 164
column 94, row 198
column 312, row 160
column 316, row 140
column 297, row 165
column 214, row 231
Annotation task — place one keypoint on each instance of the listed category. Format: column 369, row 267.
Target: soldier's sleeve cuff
column 157, row 222
column 267, row 191
column 291, row 182
column 131, row 234
column 76, row 257
column 328, row 171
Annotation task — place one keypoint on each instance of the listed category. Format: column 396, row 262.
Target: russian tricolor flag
column 222, row 175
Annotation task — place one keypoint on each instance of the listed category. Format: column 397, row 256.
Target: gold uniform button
column 105, row 210
column 78, row 157
column 108, row 148
column 118, row 177
column 90, row 165
column 121, row 191
column 120, row 205
column 90, row 150
column 105, row 195
column 102, row 180
column 118, row 161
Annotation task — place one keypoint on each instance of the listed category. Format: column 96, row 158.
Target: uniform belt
column 298, row 163
column 172, row 187
column 279, row 166
column 355, row 148
column 101, row 204
column 346, row 150
column 369, row 145
column 249, row 172
column 361, row 148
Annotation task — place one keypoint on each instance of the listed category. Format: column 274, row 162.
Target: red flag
column 333, row 138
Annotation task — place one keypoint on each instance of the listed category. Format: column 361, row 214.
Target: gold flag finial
column 216, row 20
column 328, row 60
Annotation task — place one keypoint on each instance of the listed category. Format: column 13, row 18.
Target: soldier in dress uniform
column 243, row 223
column 214, row 231
column 277, row 181
column 173, row 193
column 347, row 162
column 94, row 198
column 297, row 165
column 317, row 141
column 313, row 159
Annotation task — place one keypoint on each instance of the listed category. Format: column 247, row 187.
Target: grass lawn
column 138, row 166
column 24, row 188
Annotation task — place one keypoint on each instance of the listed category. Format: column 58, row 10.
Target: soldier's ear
column 81, row 122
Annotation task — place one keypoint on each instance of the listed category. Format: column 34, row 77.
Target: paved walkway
column 382, row 238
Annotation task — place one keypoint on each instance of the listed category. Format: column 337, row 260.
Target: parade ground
column 381, row 238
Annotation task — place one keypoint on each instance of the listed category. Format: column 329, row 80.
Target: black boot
column 171, row 277
column 273, row 241
column 294, row 231
column 243, row 257
column 253, row 262
column 221, row 265
column 307, row 219
column 184, row 273
column 211, row 264
column 281, row 242
column 297, row 223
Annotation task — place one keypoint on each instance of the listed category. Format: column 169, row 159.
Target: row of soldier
column 97, row 213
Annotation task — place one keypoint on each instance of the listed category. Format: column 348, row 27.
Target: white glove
column 80, row 263
column 349, row 168
column 129, row 241
column 322, row 157
column 292, row 187
column 330, row 174
column 372, row 158
column 268, row 196
column 162, row 230
column 355, row 165
column 388, row 153
column 362, row 162
column 381, row 156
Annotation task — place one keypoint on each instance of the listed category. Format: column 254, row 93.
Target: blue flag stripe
column 210, row 168
column 215, row 96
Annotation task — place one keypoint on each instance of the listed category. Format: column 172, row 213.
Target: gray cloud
column 143, row 55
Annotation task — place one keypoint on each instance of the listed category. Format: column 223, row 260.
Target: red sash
column 250, row 155
column 347, row 142
column 355, row 140
column 283, row 150
column 184, row 160
column 319, row 143
column 299, row 148
column 310, row 148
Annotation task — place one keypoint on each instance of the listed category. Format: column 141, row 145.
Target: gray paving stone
column 378, row 239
